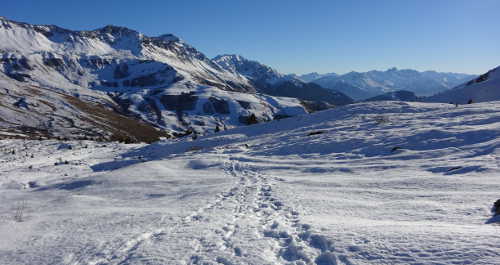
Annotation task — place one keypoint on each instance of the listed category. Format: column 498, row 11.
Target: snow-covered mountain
column 400, row 95
column 269, row 81
column 486, row 87
column 364, row 85
column 251, row 69
column 34, row 112
column 314, row 75
column 160, row 80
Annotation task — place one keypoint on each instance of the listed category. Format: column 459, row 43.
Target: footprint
column 195, row 259
column 292, row 252
column 320, row 242
column 224, row 261
column 326, row 258
column 237, row 251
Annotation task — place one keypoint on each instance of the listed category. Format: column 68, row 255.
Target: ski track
column 252, row 226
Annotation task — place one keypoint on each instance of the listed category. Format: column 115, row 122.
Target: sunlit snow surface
column 374, row 183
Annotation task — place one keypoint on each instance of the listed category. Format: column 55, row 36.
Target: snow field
column 369, row 183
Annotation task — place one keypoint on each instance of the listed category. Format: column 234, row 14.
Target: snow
column 263, row 106
column 124, row 68
column 368, row 183
column 484, row 88
column 253, row 70
column 363, row 85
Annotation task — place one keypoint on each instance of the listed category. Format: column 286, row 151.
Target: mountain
column 361, row 86
column 34, row 112
column 269, row 81
column 400, row 95
column 314, row 75
column 486, row 87
column 162, row 81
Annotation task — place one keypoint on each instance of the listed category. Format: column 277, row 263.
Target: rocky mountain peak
column 168, row 38
column 116, row 30
column 251, row 69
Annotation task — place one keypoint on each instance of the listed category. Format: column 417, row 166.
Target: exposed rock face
column 19, row 76
column 182, row 102
column 496, row 207
column 480, row 79
column 245, row 104
column 121, row 71
column 53, row 62
column 142, row 81
column 249, row 120
column 312, row 106
column 220, row 106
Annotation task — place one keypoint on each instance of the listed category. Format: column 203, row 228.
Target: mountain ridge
column 363, row 85
column 162, row 80
column 269, row 81
column 485, row 87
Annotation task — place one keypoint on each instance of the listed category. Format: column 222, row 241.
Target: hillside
column 161, row 81
column 367, row 183
column 400, row 95
column 484, row 88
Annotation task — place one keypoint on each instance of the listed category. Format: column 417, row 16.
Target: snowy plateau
column 367, row 183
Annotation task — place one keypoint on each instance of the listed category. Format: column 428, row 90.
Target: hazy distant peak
column 363, row 85
column 314, row 76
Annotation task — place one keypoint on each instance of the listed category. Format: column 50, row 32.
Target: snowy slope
column 160, row 80
column 367, row 183
column 110, row 55
column 32, row 112
column 484, row 88
column 251, row 69
column 269, row 81
column 368, row 84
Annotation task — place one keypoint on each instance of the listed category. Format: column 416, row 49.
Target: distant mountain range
column 361, row 86
column 314, row 76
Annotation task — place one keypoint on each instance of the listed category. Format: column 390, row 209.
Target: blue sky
column 302, row 36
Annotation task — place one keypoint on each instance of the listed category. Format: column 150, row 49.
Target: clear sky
column 298, row 36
